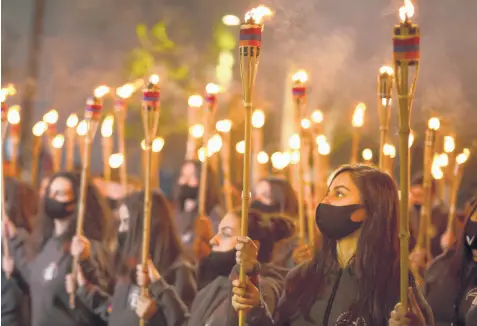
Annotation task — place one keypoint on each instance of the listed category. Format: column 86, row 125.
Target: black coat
column 15, row 301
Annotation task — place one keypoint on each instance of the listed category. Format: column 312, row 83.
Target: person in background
column 165, row 252
column 45, row 258
column 451, row 281
column 354, row 278
column 21, row 202
column 196, row 231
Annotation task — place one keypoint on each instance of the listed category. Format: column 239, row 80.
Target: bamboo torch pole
column 196, row 131
column 249, row 54
column 5, row 247
column 71, row 124
column 385, row 88
column 308, row 196
column 150, row 119
column 92, row 116
column 317, row 119
column 57, row 145
column 38, row 130
column 258, row 121
column 224, row 127
column 449, row 149
column 357, row 122
column 107, row 145
column 81, row 131
column 157, row 145
column 14, row 130
column 406, row 54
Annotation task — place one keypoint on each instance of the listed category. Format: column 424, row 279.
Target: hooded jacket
column 471, row 318
column 15, row 301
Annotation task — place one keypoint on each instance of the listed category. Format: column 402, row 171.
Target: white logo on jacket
column 472, row 293
column 50, row 272
column 345, row 320
column 133, row 297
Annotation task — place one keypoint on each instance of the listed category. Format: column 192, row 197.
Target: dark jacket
column 446, row 292
column 338, row 294
column 46, row 274
column 119, row 309
column 15, row 301
column 471, row 318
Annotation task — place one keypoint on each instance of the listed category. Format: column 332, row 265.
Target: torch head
column 4, row 111
column 92, row 114
column 299, row 85
column 150, row 109
column 211, row 95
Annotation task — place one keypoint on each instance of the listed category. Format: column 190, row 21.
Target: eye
column 339, row 194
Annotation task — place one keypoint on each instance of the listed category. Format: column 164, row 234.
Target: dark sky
column 342, row 43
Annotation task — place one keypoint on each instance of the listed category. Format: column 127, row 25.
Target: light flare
column 434, row 124
column 13, row 115
column 443, row 159
column 58, row 141
column 223, row 126
column 116, row 160
column 101, row 91
column 196, row 131
column 154, row 79
column 258, row 118
column 301, row 76
column 39, row 128
column 158, row 144
column 72, row 121
column 449, row 144
column 358, row 115
column 317, row 116
column 240, row 147
column 294, row 142
column 214, row 144
column 262, row 157
column 212, row 88
column 107, row 126
column 305, row 123
column 367, row 154
column 386, row 70
column 82, row 128
column 195, row 101
column 51, row 117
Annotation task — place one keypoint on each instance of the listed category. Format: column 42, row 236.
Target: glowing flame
column 434, row 123
column 8, row 91
column 143, row 144
column 258, row 118
column 223, row 126
column 107, row 126
column 411, row 138
column 386, row 70
column 462, row 157
column 154, row 79
column 116, row 160
column 295, row 157
column 443, row 159
column 158, row 144
column 257, row 14
column 317, row 116
column 72, row 121
column 407, row 11
column 195, row 101
column 294, row 142
column 305, row 123
column 212, row 88
column 125, row 91
column 201, row 154
column 240, row 147
column 367, row 154
column 387, row 149
column 466, row 151
column 320, row 139
column 196, row 131
column 82, row 128
column 358, row 115
column 392, row 151
column 286, row 157
column 215, row 144
column 13, row 115
column 262, row 157
column 39, row 128
column 100, row 91
column 449, row 144
column 436, row 170
column 300, row 76
column 58, row 141
column 51, row 117
column 231, row 20
column 324, row 148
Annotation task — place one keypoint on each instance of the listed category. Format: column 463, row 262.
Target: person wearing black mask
column 451, row 281
column 354, row 278
column 195, row 231
column 165, row 251
column 45, row 258
column 21, row 202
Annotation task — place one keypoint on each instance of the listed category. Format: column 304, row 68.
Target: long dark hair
column 21, row 201
column 212, row 189
column 96, row 218
column 165, row 246
column 267, row 231
column 375, row 264
column 283, row 194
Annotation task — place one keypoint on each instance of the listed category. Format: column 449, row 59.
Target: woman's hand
column 8, row 265
column 413, row 317
column 245, row 296
column 80, row 247
column 80, row 280
column 143, row 278
column 146, row 307
column 418, row 257
column 9, row 230
column 247, row 252
column 302, row 253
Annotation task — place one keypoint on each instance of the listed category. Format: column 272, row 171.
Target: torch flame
column 196, row 131
column 295, row 157
column 240, row 147
column 214, row 144
column 367, row 154
column 158, row 144
column 358, row 115
column 317, row 116
column 300, row 76
column 324, row 148
column 58, row 141
column 436, row 170
column 434, row 123
column 125, row 91
column 257, row 14
column 258, row 118
column 223, row 126
column 100, row 91
column 8, row 91
column 116, row 160
column 462, row 157
column 72, row 121
column 51, row 117
column 294, row 142
column 305, row 123
column 443, row 159
column 82, row 128
column 195, row 101
column 154, row 79
column 212, row 88
column 39, row 128
column 320, row 139
column 262, row 157
column 386, row 70
column 13, row 115
column 449, row 144
column 407, row 11
column 411, row 138
column 107, row 126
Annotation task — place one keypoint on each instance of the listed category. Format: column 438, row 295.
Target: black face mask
column 220, row 263
column 187, row 192
column 58, row 210
column 335, row 221
column 261, row 207
column 417, row 207
column 122, row 236
column 470, row 233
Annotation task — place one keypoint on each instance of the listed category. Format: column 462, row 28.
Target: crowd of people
column 350, row 276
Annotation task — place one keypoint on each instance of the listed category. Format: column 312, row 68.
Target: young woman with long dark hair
column 166, row 254
column 21, row 202
column 354, row 278
column 45, row 258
